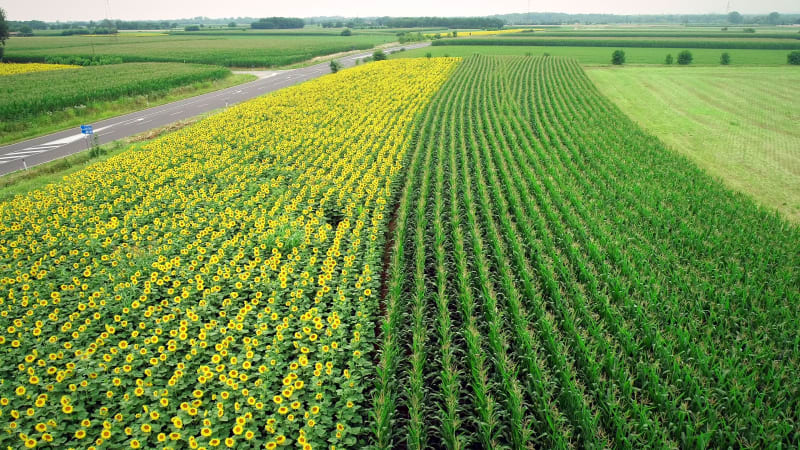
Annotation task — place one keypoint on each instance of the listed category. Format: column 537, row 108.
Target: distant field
column 44, row 99
column 602, row 55
column 240, row 50
column 650, row 42
column 740, row 124
column 657, row 33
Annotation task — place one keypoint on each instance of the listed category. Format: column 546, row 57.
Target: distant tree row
column 408, row 22
column 272, row 23
column 733, row 18
column 444, row 22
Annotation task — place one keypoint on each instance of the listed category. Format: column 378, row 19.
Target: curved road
column 50, row 147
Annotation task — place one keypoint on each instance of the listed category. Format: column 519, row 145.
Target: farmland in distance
column 238, row 50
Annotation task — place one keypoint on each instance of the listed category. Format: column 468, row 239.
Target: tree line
column 733, row 18
column 272, row 23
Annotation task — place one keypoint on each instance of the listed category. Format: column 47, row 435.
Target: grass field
column 740, row 124
column 34, row 103
column 559, row 279
column 601, row 55
column 232, row 49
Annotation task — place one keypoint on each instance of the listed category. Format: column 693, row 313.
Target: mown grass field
column 558, row 279
column 37, row 102
column 230, row 49
column 602, row 55
column 739, row 124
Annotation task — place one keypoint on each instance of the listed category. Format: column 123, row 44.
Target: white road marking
column 23, row 153
column 67, row 140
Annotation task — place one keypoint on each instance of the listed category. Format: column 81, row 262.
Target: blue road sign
column 87, row 129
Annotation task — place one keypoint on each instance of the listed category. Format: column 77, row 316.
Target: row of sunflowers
column 18, row 68
column 217, row 287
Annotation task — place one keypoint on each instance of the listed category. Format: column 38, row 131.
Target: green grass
column 601, row 55
column 738, row 123
column 119, row 93
column 241, row 49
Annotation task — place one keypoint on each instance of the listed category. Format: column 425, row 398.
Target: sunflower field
column 14, row 68
column 216, row 287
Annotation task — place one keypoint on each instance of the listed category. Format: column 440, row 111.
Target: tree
column 618, row 57
column 773, row 18
column 685, row 57
column 232, row 25
column 346, row 32
column 668, row 59
column 26, row 30
column 725, row 59
column 271, row 23
column 735, row 17
column 378, row 55
column 335, row 66
column 3, row 31
column 794, row 58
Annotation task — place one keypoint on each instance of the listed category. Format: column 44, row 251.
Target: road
column 42, row 149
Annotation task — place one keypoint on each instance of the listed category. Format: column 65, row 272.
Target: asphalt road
column 25, row 154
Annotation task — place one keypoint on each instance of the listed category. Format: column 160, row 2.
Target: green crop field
column 602, row 55
column 560, row 279
column 654, row 42
column 229, row 49
column 740, row 124
column 29, row 98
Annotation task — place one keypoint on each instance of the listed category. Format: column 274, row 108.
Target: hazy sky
column 51, row 10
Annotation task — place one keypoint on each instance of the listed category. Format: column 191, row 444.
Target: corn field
column 557, row 278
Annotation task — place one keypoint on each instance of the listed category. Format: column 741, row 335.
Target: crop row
column 623, row 43
column 30, row 94
column 559, row 279
column 217, row 287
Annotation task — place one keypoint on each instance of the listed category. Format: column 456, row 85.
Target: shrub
column 335, row 66
column 794, row 58
column 191, row 28
column 725, row 59
column 685, row 57
column 618, row 57
column 429, row 55
column 346, row 32
column 378, row 55
column 668, row 59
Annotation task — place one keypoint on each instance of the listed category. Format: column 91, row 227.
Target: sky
column 65, row 10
